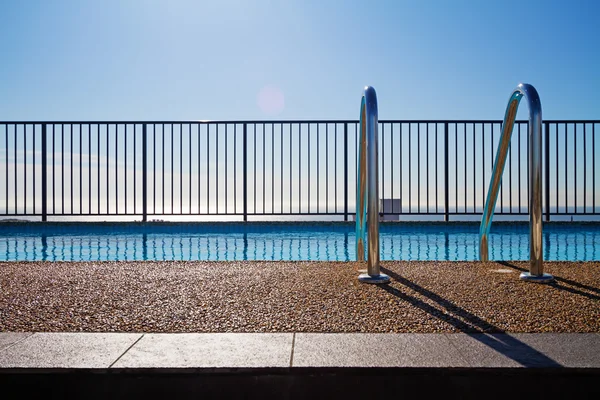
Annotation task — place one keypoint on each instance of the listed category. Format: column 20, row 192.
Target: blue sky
column 180, row 59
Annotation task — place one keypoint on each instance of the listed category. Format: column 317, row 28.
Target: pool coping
column 224, row 351
column 263, row 366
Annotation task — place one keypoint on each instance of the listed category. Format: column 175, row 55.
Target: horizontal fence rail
column 244, row 169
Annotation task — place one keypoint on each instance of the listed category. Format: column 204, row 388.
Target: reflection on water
column 335, row 242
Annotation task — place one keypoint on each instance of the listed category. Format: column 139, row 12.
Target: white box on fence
column 388, row 203
column 386, row 206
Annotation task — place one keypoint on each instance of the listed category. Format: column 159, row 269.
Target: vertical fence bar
column 16, row 197
column 97, row 167
column 335, row 180
column 25, row 167
column 446, row 194
column 291, row 169
column 574, row 168
column 547, row 170
column 437, row 182
column 162, row 172
column 409, row 168
column 180, row 168
column 556, row 160
column 125, row 166
column 254, row 174
column 190, row 168
column 108, row 168
column 135, row 169
column 235, row 170
column 427, row 164
column 280, row 168
column 392, row 163
column 62, row 168
column 272, row 170
column 263, row 167
column 566, row 170
column 116, row 169
column 345, row 171
column 53, row 169
column 144, row 175
column 34, row 168
column 327, row 167
column 217, row 168
column 401, row 166
column 71, row 170
column 483, row 162
column 299, row 168
column 318, row 162
column 6, row 167
column 474, row 171
column 519, row 164
column 154, row 167
column 584, row 170
column 419, row 168
column 199, row 151
column 89, row 168
column 44, row 174
column 172, row 143
column 510, row 185
column 245, row 177
column 382, row 152
column 80, row 169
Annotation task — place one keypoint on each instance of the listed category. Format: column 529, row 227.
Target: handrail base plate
column 544, row 278
column 376, row 279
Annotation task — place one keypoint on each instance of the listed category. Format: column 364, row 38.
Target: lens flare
column 270, row 100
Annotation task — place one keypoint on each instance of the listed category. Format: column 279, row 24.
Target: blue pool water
column 285, row 241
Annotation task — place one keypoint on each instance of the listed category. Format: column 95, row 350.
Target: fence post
column 345, row 171
column 446, row 194
column 144, row 174
column 44, row 174
column 245, row 152
column 547, row 183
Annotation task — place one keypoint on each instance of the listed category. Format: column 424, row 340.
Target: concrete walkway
column 299, row 365
column 291, row 350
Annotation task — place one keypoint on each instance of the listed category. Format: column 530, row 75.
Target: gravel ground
column 295, row 297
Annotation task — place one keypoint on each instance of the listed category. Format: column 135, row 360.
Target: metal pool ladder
column 536, row 264
column 367, row 189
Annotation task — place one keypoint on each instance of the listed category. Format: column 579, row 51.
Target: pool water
column 285, row 241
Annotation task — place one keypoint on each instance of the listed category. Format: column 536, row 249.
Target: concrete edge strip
column 30, row 334
column 460, row 354
column 126, row 350
column 445, row 336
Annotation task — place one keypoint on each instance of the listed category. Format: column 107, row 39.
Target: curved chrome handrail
column 367, row 189
column 536, row 266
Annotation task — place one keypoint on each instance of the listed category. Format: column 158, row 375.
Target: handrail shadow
column 558, row 280
column 471, row 324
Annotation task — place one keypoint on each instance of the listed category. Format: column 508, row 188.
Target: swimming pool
column 285, row 241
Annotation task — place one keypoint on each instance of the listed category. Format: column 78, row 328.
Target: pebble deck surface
column 295, row 297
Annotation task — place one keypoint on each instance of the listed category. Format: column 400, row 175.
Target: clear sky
column 294, row 59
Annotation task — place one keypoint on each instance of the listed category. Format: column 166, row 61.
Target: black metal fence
column 284, row 168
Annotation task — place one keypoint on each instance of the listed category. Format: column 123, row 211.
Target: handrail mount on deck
column 536, row 265
column 367, row 189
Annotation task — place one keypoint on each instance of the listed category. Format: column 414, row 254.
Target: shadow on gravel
column 559, row 283
column 467, row 322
